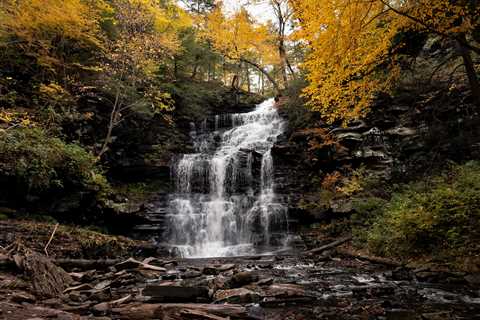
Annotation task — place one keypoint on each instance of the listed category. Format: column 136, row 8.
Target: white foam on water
column 220, row 221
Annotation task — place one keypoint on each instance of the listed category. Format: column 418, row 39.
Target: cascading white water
column 223, row 206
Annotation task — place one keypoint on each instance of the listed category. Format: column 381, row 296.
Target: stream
column 229, row 232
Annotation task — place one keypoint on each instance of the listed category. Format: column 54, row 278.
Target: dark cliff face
column 150, row 159
column 144, row 147
column 405, row 137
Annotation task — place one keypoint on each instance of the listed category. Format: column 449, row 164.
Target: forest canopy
column 356, row 47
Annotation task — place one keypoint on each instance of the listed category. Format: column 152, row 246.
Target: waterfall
column 224, row 204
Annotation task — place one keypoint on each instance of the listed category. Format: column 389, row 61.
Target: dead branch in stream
column 85, row 264
column 329, row 246
column 51, row 238
column 378, row 260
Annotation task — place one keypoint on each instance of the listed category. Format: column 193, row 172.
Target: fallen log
column 7, row 263
column 329, row 246
column 180, row 311
column 85, row 264
column 196, row 314
column 376, row 260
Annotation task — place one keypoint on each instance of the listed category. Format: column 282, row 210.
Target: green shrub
column 39, row 163
column 366, row 211
column 439, row 216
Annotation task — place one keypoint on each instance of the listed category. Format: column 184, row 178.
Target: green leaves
column 438, row 215
column 41, row 164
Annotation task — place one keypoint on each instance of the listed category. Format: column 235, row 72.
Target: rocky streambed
column 327, row 286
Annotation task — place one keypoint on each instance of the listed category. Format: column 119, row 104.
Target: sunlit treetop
column 239, row 37
column 38, row 21
column 352, row 46
column 349, row 41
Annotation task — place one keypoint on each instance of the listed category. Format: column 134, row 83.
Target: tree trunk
column 265, row 73
column 292, row 72
column 194, row 72
column 224, row 73
column 175, row 67
column 283, row 61
column 262, row 82
column 470, row 70
column 234, row 84
column 195, row 67
column 111, row 124
column 247, row 74
column 329, row 246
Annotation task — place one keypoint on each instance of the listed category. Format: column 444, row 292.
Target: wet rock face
column 395, row 142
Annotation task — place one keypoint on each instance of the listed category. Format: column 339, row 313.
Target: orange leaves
column 331, row 180
column 318, row 138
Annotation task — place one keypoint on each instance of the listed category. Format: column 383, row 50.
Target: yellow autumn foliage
column 352, row 50
column 445, row 17
column 238, row 37
column 36, row 24
column 349, row 40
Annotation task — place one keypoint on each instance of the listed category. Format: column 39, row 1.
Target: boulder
column 220, row 283
column 239, row 295
column 101, row 309
column 265, row 282
column 191, row 274
column 242, row 278
column 400, row 314
column 473, row 279
column 226, row 267
column 284, row 290
column 173, row 293
column 210, row 270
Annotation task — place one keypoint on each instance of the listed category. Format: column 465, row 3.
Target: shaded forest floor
column 70, row 241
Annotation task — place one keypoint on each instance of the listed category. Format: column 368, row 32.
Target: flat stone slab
column 171, row 293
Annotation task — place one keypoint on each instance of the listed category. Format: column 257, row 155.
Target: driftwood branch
column 85, row 264
column 377, row 260
column 180, row 311
column 329, row 246
column 50, row 240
